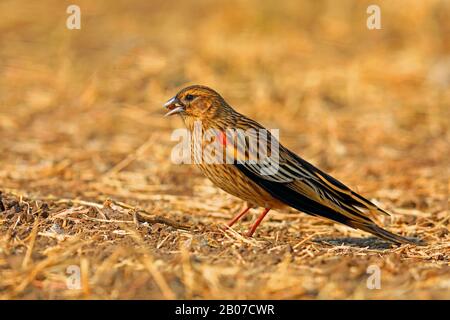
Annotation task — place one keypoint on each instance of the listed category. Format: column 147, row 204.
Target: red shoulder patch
column 222, row 138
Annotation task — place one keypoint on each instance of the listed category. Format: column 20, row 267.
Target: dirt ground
column 86, row 177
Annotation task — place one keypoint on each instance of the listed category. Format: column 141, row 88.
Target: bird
column 293, row 182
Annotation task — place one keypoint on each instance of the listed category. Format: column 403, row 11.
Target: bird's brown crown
column 198, row 103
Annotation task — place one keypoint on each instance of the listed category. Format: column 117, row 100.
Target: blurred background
column 81, row 110
column 84, row 98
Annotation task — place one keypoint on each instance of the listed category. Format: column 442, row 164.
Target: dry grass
column 86, row 174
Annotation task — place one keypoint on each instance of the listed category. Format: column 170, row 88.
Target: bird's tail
column 314, row 202
column 384, row 234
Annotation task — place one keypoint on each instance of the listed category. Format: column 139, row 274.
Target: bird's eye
column 189, row 97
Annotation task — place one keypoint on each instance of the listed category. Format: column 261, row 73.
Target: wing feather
column 295, row 173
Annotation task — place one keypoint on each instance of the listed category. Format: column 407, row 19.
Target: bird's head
column 197, row 103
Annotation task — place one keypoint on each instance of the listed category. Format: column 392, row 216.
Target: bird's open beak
column 174, row 106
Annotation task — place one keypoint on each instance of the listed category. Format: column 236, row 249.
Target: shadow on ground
column 371, row 242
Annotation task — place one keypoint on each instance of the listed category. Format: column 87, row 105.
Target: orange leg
column 258, row 221
column 237, row 217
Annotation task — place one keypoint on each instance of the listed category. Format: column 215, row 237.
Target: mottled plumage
column 296, row 183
